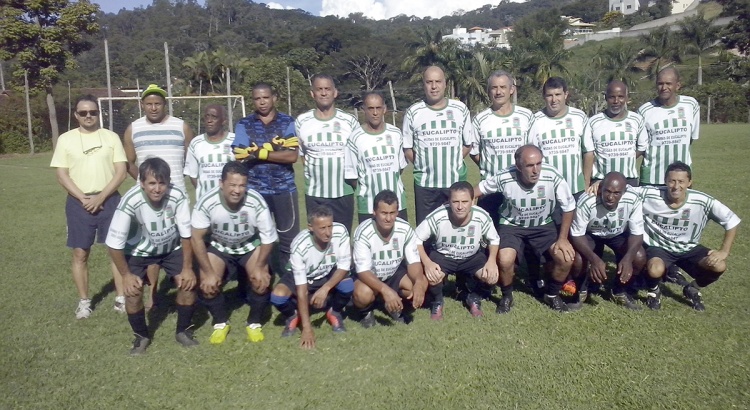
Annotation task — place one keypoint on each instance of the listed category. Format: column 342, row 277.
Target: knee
column 186, row 297
column 561, row 263
column 639, row 262
column 718, row 268
column 258, row 287
column 506, row 265
column 279, row 300
column 80, row 256
column 281, row 291
column 363, row 295
column 133, row 304
column 656, row 268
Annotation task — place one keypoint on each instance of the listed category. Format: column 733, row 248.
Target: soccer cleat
column 503, row 307
column 674, row 275
column 219, row 335
column 556, row 303
column 336, row 321
column 83, row 311
column 368, row 320
column 254, row 333
column 119, row 304
column 436, row 311
column 397, row 317
column 694, row 296
column 626, row 300
column 475, row 308
column 568, row 288
column 140, row 344
column 653, row 298
column 537, row 287
column 185, row 338
column 290, row 325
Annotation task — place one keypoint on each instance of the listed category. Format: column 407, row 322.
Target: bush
column 729, row 102
column 13, row 131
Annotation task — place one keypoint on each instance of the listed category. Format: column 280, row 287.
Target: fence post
column 708, row 114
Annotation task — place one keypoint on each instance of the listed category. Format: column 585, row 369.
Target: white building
column 478, row 35
column 577, row 26
column 624, row 6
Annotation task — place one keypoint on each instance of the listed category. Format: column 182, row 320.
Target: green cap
column 153, row 89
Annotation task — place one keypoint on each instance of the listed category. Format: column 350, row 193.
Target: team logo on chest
column 394, row 244
column 472, row 230
column 681, row 113
column 516, row 122
column 227, row 149
column 685, row 214
column 540, row 191
column 628, row 127
column 621, row 214
column 449, row 115
column 169, row 211
column 336, row 126
column 388, row 140
column 243, row 217
column 569, row 123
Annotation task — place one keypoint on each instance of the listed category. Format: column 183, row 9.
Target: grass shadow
column 105, row 290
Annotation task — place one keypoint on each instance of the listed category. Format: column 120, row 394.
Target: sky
column 375, row 9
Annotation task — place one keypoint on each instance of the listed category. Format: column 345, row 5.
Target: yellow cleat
column 219, row 335
column 254, row 335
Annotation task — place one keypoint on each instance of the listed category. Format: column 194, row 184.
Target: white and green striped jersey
column 458, row 242
column 309, row 263
column 437, row 138
column 679, row 230
column 383, row 256
column 615, row 143
column 234, row 232
column 498, row 137
column 375, row 161
column 322, row 146
column 529, row 207
column 206, row 159
column 139, row 229
column 561, row 142
column 593, row 218
column 670, row 132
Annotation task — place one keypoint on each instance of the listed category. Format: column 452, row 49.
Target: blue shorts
column 84, row 227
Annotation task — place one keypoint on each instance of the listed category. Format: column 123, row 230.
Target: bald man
column 617, row 137
column 613, row 217
column 437, row 135
column 532, row 189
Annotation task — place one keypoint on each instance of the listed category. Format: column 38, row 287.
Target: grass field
column 600, row 357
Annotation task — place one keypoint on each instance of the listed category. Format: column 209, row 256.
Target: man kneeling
column 151, row 226
column 321, row 259
column 387, row 262
column 459, row 231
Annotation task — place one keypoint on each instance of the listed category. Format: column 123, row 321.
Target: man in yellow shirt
column 91, row 164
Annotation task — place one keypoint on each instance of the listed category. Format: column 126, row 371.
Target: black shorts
column 288, row 280
column 394, row 280
column 491, row 203
column 687, row 261
column 427, row 200
column 234, row 264
column 618, row 244
column 83, row 227
column 539, row 239
column 171, row 263
column 557, row 212
column 401, row 214
column 460, row 267
column 343, row 208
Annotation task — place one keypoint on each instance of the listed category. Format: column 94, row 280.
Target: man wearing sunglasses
column 91, row 164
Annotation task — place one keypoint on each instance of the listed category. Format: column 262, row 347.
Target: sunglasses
column 89, row 113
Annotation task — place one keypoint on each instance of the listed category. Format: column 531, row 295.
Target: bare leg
column 80, row 268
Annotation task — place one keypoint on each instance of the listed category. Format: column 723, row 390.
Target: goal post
column 189, row 108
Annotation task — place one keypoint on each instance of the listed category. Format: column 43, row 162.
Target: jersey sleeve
column 240, row 135
column 588, row 137
column 191, row 163
column 722, row 215
column 200, row 218
column 564, row 196
column 581, row 219
column 636, row 223
column 350, row 159
column 468, row 131
column 641, row 142
column 362, row 255
column 490, row 233
column 266, row 226
column 298, row 268
column 344, row 252
column 423, row 232
column 695, row 134
column 297, row 126
column 407, row 131
column 489, row 185
column 477, row 138
column 531, row 133
column 411, row 253
column 401, row 157
column 182, row 217
column 119, row 228
column 290, row 130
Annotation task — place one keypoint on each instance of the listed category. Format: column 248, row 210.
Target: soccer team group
column 556, row 188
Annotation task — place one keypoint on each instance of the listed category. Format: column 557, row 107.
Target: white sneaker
column 119, row 304
column 84, row 309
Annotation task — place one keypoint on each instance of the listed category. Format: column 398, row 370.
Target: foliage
column 662, row 48
column 729, row 103
column 14, row 136
column 737, row 33
column 272, row 70
column 617, row 61
column 699, row 34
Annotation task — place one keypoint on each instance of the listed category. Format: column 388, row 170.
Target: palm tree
column 699, row 35
column 617, row 62
column 426, row 52
column 550, row 55
column 662, row 46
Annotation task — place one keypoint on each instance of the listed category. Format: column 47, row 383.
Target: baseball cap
column 153, row 89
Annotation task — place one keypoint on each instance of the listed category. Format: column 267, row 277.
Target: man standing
column 271, row 171
column 460, row 232
column 209, row 152
column 437, row 136
column 558, row 131
column 500, row 130
column 673, row 123
column 152, row 227
column 323, row 133
column 675, row 217
column 91, row 165
column 375, row 158
column 613, row 217
column 387, row 262
column 321, row 260
column 617, row 137
column 531, row 190
column 235, row 217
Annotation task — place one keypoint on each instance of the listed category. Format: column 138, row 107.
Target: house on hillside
column 479, row 35
column 577, row 26
column 625, row 6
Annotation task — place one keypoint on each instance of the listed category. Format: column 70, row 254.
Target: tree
column 699, row 35
column 737, row 33
column 618, row 62
column 371, row 71
column 662, row 47
column 426, row 51
column 43, row 37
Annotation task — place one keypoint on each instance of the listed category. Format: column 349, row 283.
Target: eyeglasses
column 91, row 113
column 92, row 149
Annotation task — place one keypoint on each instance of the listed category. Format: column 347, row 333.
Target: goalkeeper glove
column 285, row 143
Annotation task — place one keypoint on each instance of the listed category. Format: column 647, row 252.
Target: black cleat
column 624, row 299
column 674, row 275
column 140, row 344
column 653, row 298
column 694, row 296
column 556, row 303
column 186, row 339
column 503, row 307
column 368, row 320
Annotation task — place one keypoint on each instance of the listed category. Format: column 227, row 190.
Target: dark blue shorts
column 84, row 227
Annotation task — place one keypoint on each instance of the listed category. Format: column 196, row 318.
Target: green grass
column 602, row 356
